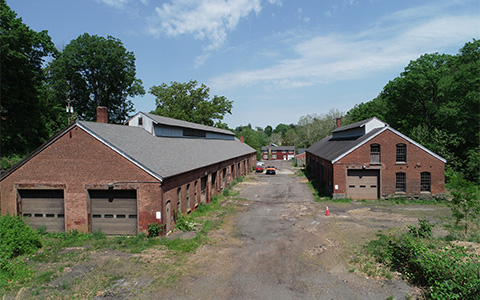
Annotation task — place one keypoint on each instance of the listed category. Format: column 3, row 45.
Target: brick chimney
column 339, row 122
column 102, row 114
column 241, row 139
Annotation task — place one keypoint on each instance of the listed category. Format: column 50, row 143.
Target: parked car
column 259, row 168
column 271, row 170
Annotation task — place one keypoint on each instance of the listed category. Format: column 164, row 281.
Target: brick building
column 371, row 160
column 118, row 179
column 274, row 152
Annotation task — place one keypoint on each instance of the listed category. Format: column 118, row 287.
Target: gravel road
column 278, row 246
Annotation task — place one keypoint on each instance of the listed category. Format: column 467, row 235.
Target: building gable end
column 357, row 146
column 106, row 143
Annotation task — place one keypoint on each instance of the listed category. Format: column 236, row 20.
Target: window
column 375, row 153
column 179, row 206
column 274, row 156
column 140, row 121
column 284, row 151
column 274, row 151
column 188, row 197
column 193, row 132
column 196, row 197
column 425, row 182
column 400, row 182
column 401, row 153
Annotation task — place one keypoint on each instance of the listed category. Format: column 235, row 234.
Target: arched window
column 401, row 153
column 425, row 182
column 400, row 182
column 375, row 153
column 179, row 200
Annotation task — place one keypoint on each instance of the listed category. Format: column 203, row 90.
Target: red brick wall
column 77, row 161
column 418, row 161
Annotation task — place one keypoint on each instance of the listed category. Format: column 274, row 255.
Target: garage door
column 114, row 212
column 362, row 184
column 43, row 208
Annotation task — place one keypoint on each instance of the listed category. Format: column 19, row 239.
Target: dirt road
column 280, row 245
column 271, row 241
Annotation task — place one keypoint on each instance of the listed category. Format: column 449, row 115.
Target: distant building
column 300, row 157
column 371, row 160
column 274, row 152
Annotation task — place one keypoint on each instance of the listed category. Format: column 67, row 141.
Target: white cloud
column 115, row 3
column 336, row 57
column 206, row 20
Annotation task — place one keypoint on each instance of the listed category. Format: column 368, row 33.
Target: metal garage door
column 114, row 211
column 43, row 208
column 362, row 184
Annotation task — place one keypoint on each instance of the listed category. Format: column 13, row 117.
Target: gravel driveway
column 279, row 246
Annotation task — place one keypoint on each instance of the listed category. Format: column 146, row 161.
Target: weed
column 446, row 271
column 154, row 230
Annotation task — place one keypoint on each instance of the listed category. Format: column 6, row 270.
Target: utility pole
column 69, row 109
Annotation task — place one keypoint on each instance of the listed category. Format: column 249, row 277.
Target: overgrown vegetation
column 16, row 239
column 20, row 243
column 443, row 269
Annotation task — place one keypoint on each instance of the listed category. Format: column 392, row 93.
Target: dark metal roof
column 184, row 124
column 165, row 156
column 330, row 149
column 354, row 125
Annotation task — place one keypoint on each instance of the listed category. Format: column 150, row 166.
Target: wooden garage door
column 43, row 208
column 114, row 211
column 362, row 184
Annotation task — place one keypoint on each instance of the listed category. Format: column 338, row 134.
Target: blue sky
column 277, row 60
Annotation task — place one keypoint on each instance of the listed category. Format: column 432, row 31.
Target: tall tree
column 96, row 71
column 190, row 102
column 22, row 53
column 436, row 101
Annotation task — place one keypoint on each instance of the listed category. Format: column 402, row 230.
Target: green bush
column 184, row 222
column 444, row 270
column 424, row 231
column 154, row 230
column 16, row 239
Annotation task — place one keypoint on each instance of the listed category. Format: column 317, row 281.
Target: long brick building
column 118, row 179
column 371, row 160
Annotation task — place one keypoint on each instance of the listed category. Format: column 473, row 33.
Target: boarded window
column 401, row 153
column 400, row 182
column 425, row 182
column 179, row 200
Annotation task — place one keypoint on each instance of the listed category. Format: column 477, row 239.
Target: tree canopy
column 190, row 102
column 96, row 71
column 436, row 101
column 22, row 54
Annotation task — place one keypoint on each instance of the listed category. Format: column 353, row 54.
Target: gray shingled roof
column 165, row 156
column 330, row 149
column 180, row 123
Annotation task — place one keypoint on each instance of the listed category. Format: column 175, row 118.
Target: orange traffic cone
column 327, row 213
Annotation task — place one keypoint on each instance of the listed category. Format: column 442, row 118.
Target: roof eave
column 38, row 150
